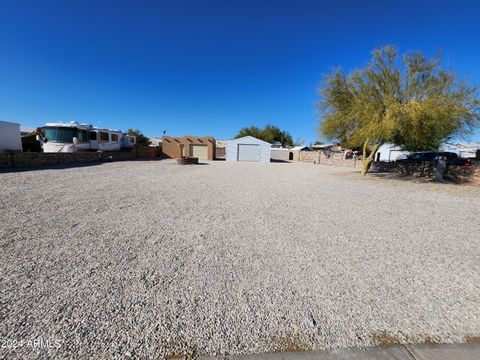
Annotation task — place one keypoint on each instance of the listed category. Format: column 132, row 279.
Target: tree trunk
column 367, row 161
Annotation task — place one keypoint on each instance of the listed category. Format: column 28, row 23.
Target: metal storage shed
column 248, row 148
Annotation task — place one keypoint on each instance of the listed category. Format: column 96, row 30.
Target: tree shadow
column 388, row 176
column 68, row 165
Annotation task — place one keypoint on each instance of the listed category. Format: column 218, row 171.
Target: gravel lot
column 145, row 259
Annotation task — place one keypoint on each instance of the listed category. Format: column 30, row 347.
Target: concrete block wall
column 34, row 159
column 30, row 159
column 470, row 174
column 318, row 157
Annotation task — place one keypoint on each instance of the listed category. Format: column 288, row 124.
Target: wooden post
column 12, row 159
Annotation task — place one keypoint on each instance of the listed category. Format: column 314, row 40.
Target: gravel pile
column 148, row 259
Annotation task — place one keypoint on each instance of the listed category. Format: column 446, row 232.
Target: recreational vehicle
column 73, row 137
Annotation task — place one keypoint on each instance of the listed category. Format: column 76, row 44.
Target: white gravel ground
column 145, row 259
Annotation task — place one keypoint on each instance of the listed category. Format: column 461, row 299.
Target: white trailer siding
column 280, row 154
column 248, row 148
column 10, row 138
column 462, row 150
column 390, row 152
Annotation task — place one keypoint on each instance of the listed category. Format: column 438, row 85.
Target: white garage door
column 248, row 152
column 199, row 151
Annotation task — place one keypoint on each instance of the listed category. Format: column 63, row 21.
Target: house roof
column 8, row 122
column 301, row 147
column 462, row 145
column 322, row 146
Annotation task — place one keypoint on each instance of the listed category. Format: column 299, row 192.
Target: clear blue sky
column 207, row 67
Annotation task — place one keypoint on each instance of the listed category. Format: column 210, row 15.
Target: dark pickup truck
column 430, row 156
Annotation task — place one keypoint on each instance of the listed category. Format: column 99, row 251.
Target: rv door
column 93, row 137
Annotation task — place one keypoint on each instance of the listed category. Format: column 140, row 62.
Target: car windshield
column 60, row 134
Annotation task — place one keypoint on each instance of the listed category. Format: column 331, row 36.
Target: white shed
column 10, row 138
column 248, row 148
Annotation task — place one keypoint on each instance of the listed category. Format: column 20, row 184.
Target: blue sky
column 207, row 67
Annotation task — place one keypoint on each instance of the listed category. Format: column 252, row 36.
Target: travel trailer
column 74, row 137
column 10, row 139
column 463, row 150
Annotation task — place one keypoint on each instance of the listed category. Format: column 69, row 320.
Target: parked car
column 430, row 156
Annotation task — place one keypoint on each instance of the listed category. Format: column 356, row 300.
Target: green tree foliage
column 141, row 139
column 269, row 133
column 409, row 101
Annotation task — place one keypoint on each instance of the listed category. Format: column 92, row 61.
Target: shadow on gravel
column 406, row 178
column 49, row 167
column 69, row 166
column 280, row 161
column 415, row 179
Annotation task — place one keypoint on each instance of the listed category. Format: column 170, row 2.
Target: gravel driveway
column 145, row 259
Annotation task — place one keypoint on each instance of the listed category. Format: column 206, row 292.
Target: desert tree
column 141, row 139
column 270, row 133
column 409, row 101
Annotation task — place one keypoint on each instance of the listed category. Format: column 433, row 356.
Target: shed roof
column 249, row 137
column 9, row 123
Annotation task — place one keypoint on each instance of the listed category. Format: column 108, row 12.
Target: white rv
column 73, row 137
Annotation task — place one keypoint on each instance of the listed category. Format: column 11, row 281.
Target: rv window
column 60, row 134
column 114, row 137
column 103, row 136
column 82, row 135
column 131, row 140
column 93, row 135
